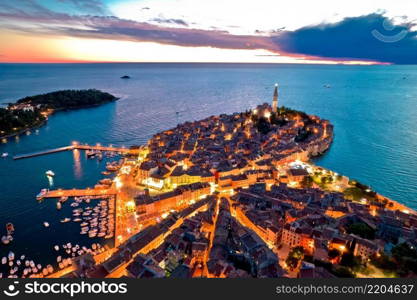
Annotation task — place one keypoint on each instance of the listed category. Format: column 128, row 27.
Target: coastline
column 24, row 130
column 36, row 126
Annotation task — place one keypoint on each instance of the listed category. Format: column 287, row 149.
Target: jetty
column 78, row 193
column 76, row 146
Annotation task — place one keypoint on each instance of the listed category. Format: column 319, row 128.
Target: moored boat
column 50, row 173
column 42, row 193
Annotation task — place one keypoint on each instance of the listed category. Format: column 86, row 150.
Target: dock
column 78, row 147
column 78, row 193
column 39, row 153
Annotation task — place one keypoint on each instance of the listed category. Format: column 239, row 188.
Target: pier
column 76, row 146
column 78, row 193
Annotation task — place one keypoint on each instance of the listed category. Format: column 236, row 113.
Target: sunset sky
column 320, row 31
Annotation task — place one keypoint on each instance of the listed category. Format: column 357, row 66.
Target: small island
column 33, row 111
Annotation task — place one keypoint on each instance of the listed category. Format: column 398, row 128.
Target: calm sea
column 373, row 108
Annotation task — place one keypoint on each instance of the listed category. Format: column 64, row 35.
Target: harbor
column 81, row 215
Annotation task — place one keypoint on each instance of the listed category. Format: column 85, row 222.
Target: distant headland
column 33, row 111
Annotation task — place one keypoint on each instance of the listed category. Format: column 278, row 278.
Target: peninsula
column 33, row 111
column 237, row 195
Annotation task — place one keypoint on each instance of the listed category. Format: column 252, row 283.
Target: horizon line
column 204, row 62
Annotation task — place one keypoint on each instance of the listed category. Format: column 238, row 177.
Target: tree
column 350, row 261
column 384, row 262
column 333, row 253
column 343, row 272
column 262, row 125
column 405, row 257
column 294, row 257
column 361, row 229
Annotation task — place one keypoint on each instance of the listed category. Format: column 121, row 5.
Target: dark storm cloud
column 370, row 37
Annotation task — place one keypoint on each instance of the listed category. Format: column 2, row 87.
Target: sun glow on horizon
column 45, row 49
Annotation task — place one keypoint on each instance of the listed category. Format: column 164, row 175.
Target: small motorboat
column 46, row 224
column 4, row 154
column 65, row 220
column 50, row 173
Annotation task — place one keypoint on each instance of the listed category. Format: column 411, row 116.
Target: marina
column 98, row 221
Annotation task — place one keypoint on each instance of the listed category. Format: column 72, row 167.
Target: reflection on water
column 50, row 181
column 77, row 164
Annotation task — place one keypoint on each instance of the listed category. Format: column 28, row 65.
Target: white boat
column 58, row 205
column 56, row 247
column 4, row 154
column 50, row 268
column 65, row 220
column 46, row 224
column 4, row 260
column 11, row 255
column 50, row 173
column 42, row 193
